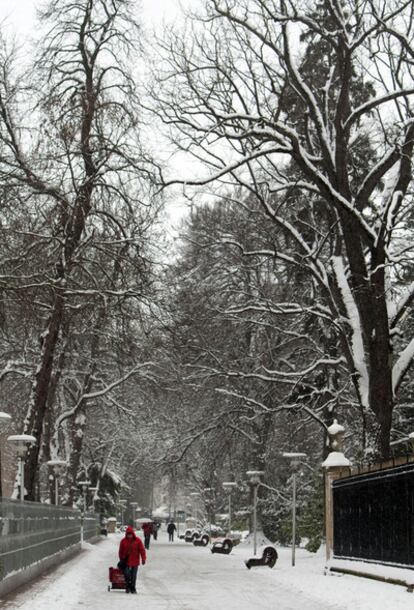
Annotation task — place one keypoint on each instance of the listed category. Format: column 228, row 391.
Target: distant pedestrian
column 148, row 529
column 131, row 553
column 171, row 529
column 157, row 525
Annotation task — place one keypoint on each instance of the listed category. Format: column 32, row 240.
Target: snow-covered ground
column 180, row 576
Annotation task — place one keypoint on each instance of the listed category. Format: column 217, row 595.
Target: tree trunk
column 40, row 392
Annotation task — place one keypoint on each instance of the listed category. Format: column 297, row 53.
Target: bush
column 314, row 544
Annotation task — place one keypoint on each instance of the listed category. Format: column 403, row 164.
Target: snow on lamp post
column 84, row 485
column 5, row 419
column 229, row 486
column 334, row 464
column 295, row 459
column 57, row 467
column 255, row 477
column 21, row 443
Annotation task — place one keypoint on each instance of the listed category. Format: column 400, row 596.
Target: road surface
column 180, row 576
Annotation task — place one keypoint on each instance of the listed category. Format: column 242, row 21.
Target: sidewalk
column 180, row 576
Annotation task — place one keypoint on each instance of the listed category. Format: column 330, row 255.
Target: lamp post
column 229, row 486
column 93, row 491
column 5, row 419
column 195, row 495
column 57, row 468
column 295, row 459
column 21, row 442
column 134, row 507
column 208, row 491
column 255, row 480
column 189, row 511
column 84, row 485
column 122, row 506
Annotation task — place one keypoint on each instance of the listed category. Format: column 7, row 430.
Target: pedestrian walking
column 131, row 554
column 157, row 525
column 171, row 529
column 148, row 529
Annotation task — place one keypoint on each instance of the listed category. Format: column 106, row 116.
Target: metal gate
column 374, row 516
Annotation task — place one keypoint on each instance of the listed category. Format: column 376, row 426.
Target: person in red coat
column 148, row 529
column 131, row 553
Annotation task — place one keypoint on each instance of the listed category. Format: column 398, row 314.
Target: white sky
column 20, row 14
column 18, row 17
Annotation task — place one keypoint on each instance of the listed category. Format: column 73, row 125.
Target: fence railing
column 374, row 516
column 30, row 532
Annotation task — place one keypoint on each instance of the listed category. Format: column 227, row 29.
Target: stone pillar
column 334, row 465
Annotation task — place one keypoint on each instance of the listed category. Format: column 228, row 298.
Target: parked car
column 191, row 534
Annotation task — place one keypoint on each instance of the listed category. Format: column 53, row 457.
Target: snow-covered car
column 215, row 530
column 191, row 534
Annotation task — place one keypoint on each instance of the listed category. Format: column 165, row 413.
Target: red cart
column 116, row 579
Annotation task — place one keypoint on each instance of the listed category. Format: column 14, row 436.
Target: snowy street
column 180, row 576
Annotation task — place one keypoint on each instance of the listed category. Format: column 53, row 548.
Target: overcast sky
column 19, row 17
column 21, row 13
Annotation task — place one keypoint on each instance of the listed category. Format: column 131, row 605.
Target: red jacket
column 132, row 551
column 147, row 528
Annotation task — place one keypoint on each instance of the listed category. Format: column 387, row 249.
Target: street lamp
column 336, row 434
column 255, row 480
column 84, row 485
column 195, row 495
column 134, row 507
column 122, row 506
column 295, row 459
column 208, row 492
column 93, row 491
column 229, row 486
column 5, row 419
column 21, row 442
column 57, row 468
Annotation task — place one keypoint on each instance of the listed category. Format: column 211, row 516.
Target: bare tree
column 77, row 164
column 230, row 93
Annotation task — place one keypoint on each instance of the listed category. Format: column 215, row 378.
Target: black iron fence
column 374, row 516
column 30, row 532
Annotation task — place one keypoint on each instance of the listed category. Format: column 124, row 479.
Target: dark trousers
column 171, row 536
column 130, row 575
column 147, row 541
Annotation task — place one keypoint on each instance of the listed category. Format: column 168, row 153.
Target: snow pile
column 262, row 541
column 161, row 512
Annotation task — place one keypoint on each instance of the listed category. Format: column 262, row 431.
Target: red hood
column 130, row 530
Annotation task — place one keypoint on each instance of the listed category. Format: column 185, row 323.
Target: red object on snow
column 132, row 550
column 116, row 578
